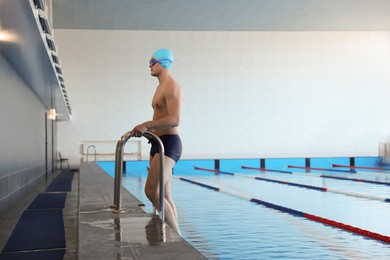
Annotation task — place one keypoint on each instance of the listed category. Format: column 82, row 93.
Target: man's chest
column 158, row 101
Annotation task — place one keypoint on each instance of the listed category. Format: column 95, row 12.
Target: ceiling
column 223, row 15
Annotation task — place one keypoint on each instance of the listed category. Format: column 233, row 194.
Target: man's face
column 155, row 67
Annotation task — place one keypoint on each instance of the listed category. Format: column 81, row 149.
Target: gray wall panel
column 22, row 137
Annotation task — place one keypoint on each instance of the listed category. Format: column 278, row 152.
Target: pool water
column 222, row 226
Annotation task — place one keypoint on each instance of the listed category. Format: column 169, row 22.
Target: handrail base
column 114, row 210
column 119, row 211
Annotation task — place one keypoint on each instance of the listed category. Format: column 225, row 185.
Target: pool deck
column 93, row 231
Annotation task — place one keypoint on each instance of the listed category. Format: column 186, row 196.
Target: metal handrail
column 94, row 148
column 119, row 168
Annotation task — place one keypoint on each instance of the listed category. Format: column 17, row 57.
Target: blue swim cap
column 164, row 57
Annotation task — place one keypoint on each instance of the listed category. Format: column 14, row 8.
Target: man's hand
column 139, row 130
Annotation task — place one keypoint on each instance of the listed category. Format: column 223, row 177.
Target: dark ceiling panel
column 225, row 15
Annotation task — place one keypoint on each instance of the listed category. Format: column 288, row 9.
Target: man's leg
column 168, row 196
column 152, row 188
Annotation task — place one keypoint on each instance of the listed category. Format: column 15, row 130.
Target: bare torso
column 166, row 105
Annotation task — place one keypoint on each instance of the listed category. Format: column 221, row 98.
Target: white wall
column 247, row 94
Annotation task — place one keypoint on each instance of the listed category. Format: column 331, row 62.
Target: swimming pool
column 224, row 226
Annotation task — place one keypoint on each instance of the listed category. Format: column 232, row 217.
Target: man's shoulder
column 171, row 84
column 172, row 89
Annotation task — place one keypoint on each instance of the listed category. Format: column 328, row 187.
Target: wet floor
column 93, row 231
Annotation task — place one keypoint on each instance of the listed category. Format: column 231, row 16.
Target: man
column 166, row 103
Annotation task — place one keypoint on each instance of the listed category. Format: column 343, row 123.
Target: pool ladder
column 94, row 149
column 119, row 169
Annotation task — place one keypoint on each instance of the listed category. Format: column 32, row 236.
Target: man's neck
column 164, row 75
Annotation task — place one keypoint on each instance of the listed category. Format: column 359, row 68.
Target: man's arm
column 171, row 117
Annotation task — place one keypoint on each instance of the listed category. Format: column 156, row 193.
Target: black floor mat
column 63, row 182
column 37, row 229
column 34, row 255
column 48, row 201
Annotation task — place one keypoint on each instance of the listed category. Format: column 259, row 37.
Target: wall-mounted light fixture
column 51, row 114
column 8, row 35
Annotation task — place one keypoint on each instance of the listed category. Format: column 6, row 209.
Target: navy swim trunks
column 172, row 146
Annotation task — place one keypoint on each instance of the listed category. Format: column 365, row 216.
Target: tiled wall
column 22, row 138
column 247, row 94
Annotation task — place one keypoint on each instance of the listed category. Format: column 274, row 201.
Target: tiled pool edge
column 99, row 237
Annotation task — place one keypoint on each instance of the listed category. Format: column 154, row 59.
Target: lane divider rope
column 355, row 179
column 324, row 176
column 299, row 185
column 360, row 167
column 329, row 222
column 320, row 169
column 265, row 169
column 279, row 171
